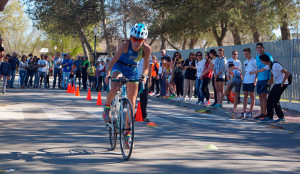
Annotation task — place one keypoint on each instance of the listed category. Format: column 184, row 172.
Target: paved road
column 49, row 131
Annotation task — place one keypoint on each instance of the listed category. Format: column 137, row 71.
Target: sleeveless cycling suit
column 127, row 64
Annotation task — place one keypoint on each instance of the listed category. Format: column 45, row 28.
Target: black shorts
column 248, row 87
column 220, row 79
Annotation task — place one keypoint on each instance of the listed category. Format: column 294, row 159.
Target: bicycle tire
column 113, row 137
column 126, row 148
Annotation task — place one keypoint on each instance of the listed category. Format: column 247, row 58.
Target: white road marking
column 57, row 114
column 96, row 112
column 11, row 113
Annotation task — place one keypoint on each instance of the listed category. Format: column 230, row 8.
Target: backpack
column 290, row 77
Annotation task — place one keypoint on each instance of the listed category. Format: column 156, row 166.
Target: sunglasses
column 133, row 39
column 235, row 54
column 198, row 55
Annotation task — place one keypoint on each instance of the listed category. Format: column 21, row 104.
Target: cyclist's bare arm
column 122, row 48
column 147, row 52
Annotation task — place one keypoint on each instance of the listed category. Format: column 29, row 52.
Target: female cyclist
column 124, row 64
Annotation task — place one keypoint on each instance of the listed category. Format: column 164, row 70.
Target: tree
column 67, row 17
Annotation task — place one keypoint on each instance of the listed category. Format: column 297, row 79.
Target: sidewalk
column 292, row 117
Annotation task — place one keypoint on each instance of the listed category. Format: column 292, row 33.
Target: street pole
column 95, row 48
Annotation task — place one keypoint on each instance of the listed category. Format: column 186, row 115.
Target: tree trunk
column 219, row 39
column 105, row 29
column 285, row 32
column 173, row 46
column 163, row 42
column 256, row 35
column 184, row 43
column 236, row 36
column 83, row 44
column 193, row 43
column 153, row 40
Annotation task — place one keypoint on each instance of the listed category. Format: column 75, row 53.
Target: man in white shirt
column 281, row 83
column 57, row 70
column 234, row 60
column 200, row 67
column 249, row 82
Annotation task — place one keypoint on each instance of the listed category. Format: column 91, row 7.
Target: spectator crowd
column 173, row 78
column 178, row 79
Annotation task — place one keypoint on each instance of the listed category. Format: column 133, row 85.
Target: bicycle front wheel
column 113, row 136
column 126, row 129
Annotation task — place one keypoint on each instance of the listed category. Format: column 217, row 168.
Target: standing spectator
column 236, row 82
column 30, row 73
column 160, row 70
column 237, row 63
column 78, row 64
column 219, row 71
column 97, row 76
column 57, row 62
column 14, row 62
column 281, row 83
column 178, row 74
column 67, row 67
column 42, row 64
column 162, row 78
column 36, row 69
column 73, row 75
column 262, row 81
column 5, row 72
column 91, row 75
column 84, row 68
column 144, row 94
column 23, row 66
column 200, row 65
column 249, row 82
column 48, row 69
column 206, row 77
column 154, row 76
column 189, row 76
column 168, row 73
column 30, row 57
column 104, row 75
column 214, row 55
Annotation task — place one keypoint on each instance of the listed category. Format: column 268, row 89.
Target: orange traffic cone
column 73, row 89
column 69, row 88
column 77, row 93
column 151, row 124
column 99, row 101
column 88, row 97
column 138, row 114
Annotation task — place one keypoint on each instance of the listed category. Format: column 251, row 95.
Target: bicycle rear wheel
column 126, row 125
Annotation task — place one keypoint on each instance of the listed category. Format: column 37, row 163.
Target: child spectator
column 236, row 82
column 154, row 76
column 73, row 75
column 5, row 71
column 249, row 82
column 91, row 75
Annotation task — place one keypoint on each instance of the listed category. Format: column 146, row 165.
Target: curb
column 208, row 109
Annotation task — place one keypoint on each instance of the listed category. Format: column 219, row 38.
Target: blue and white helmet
column 139, row 30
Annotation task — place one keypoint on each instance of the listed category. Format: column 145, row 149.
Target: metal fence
column 287, row 52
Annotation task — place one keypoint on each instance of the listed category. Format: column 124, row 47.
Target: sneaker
column 127, row 140
column 146, row 120
column 213, row 104
column 261, row 116
column 172, row 96
column 201, row 103
column 217, row 106
column 280, row 120
column 267, row 120
column 150, row 93
column 157, row 95
column 190, row 99
column 207, row 102
column 249, row 115
column 105, row 115
column 232, row 115
column 3, row 92
column 197, row 102
column 243, row 115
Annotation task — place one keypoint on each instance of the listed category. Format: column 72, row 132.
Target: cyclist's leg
column 132, row 91
column 115, row 87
